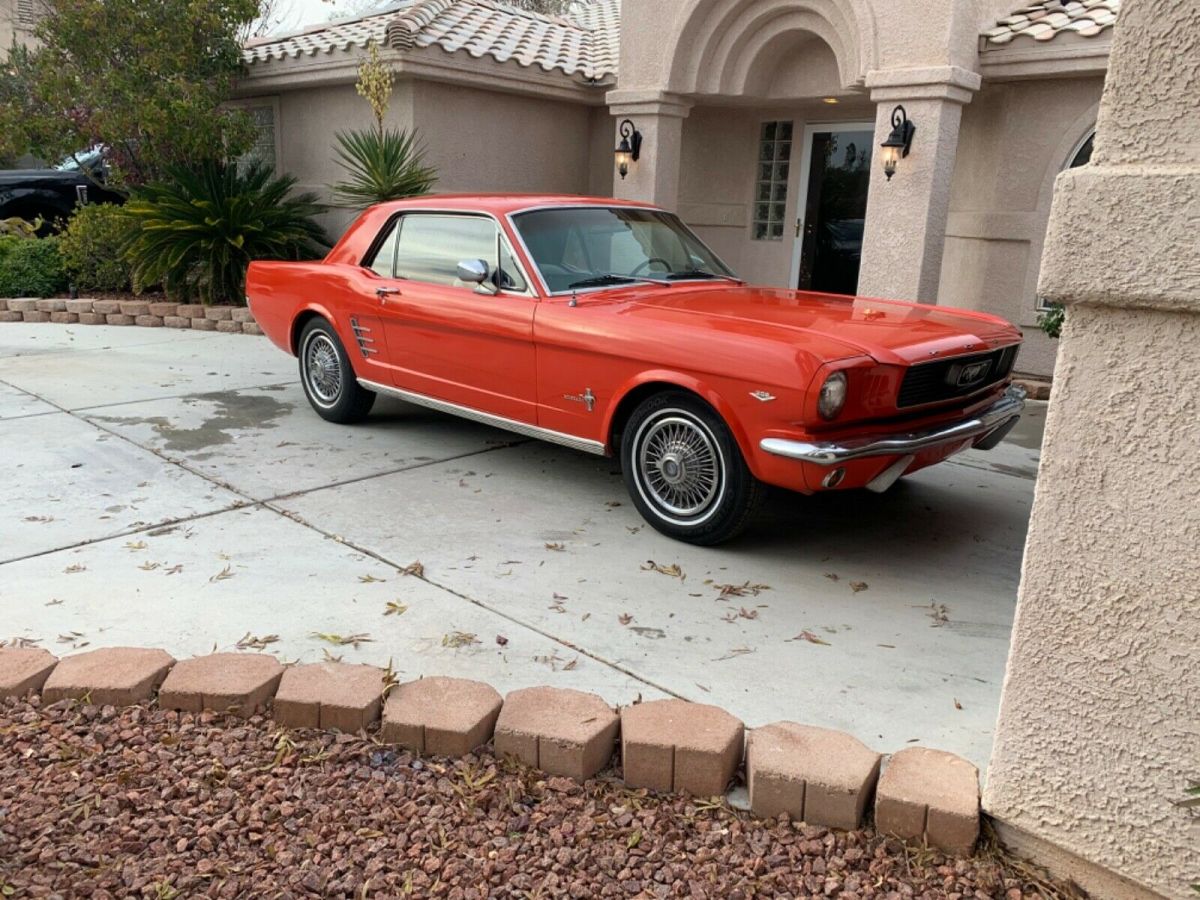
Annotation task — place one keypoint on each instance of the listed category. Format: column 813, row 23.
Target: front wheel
column 328, row 378
column 685, row 472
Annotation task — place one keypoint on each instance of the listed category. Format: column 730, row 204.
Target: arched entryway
column 775, row 135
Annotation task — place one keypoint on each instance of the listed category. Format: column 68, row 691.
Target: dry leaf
column 53, row 603
column 811, row 638
column 74, row 568
column 370, row 579
column 730, row 617
column 857, row 586
column 395, row 608
column 673, row 570
column 413, row 568
column 555, row 545
column 138, row 545
column 253, row 642
column 832, row 576
column 957, row 705
column 624, row 618
column 148, row 566
column 342, row 640
column 747, row 613
column 501, row 640
column 175, row 570
column 736, row 651
column 740, row 590
column 223, row 574
column 458, row 639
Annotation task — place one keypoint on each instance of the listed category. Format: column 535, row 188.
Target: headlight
column 833, row 396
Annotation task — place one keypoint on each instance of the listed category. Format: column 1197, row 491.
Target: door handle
column 382, row 292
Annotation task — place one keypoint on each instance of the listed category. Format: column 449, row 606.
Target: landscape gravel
column 101, row 803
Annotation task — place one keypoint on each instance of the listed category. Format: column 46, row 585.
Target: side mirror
column 477, row 272
column 473, row 271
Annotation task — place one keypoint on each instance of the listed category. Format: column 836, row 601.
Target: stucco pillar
column 1099, row 728
column 905, row 231
column 659, row 117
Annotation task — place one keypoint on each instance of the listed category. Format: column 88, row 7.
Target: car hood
column 891, row 331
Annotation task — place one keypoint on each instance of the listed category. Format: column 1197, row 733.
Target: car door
column 455, row 341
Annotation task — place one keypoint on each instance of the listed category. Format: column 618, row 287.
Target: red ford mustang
column 609, row 327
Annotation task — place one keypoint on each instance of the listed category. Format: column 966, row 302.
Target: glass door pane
column 835, row 210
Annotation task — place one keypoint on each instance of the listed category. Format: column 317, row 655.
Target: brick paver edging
column 815, row 775
column 146, row 313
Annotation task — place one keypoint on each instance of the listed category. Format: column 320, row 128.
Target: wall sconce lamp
column 899, row 142
column 630, row 147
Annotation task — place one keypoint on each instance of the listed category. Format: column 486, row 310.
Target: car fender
column 688, row 382
column 320, row 309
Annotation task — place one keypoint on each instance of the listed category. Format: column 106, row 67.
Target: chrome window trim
column 608, row 287
column 476, row 213
column 475, row 415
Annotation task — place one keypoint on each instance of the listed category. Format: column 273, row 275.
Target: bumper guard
column 827, row 453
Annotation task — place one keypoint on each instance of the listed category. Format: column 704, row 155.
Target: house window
column 771, row 180
column 263, row 148
column 1083, row 153
column 26, row 14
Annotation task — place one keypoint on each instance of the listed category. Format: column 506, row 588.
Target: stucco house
column 761, row 122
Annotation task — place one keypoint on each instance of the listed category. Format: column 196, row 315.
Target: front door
column 445, row 338
column 835, row 174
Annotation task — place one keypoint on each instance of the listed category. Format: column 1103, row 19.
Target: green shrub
column 91, row 248
column 30, row 268
column 1051, row 321
column 381, row 166
column 196, row 233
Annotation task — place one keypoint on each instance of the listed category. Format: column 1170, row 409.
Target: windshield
column 603, row 246
column 86, row 160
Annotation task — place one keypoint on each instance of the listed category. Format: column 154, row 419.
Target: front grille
column 947, row 379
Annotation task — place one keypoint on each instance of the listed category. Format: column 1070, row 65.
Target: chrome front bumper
column 827, row 453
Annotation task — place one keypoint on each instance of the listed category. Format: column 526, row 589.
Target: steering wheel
column 646, row 265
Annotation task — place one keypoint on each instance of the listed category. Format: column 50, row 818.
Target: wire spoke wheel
column 680, row 466
column 322, row 369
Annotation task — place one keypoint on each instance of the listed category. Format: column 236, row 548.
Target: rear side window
column 384, row 261
column 430, row 247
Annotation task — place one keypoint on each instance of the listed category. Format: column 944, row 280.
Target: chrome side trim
column 827, row 453
column 475, row 415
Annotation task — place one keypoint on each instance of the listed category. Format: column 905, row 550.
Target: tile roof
column 1047, row 19
column 586, row 41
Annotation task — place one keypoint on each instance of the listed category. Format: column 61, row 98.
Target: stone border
column 144, row 313
column 811, row 774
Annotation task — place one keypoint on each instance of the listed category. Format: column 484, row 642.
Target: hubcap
column 323, row 369
column 680, row 465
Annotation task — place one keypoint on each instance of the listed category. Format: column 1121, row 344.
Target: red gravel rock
column 98, row 803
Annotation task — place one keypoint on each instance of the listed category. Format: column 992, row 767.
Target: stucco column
column 1099, row 728
column 659, row 116
column 905, row 230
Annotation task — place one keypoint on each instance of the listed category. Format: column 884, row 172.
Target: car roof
column 502, row 204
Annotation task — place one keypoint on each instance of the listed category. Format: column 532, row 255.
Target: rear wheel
column 685, row 472
column 328, row 378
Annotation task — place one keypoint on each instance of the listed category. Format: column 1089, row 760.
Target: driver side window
column 430, row 247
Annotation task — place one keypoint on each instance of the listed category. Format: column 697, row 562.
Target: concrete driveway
column 174, row 489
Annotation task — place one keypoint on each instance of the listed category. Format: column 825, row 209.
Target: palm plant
column 382, row 164
column 196, row 232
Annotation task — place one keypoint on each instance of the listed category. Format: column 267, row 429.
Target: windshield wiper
column 612, row 278
column 702, row 273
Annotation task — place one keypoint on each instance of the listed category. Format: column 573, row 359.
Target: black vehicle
column 52, row 194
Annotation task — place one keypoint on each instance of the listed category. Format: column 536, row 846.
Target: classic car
column 609, row 327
